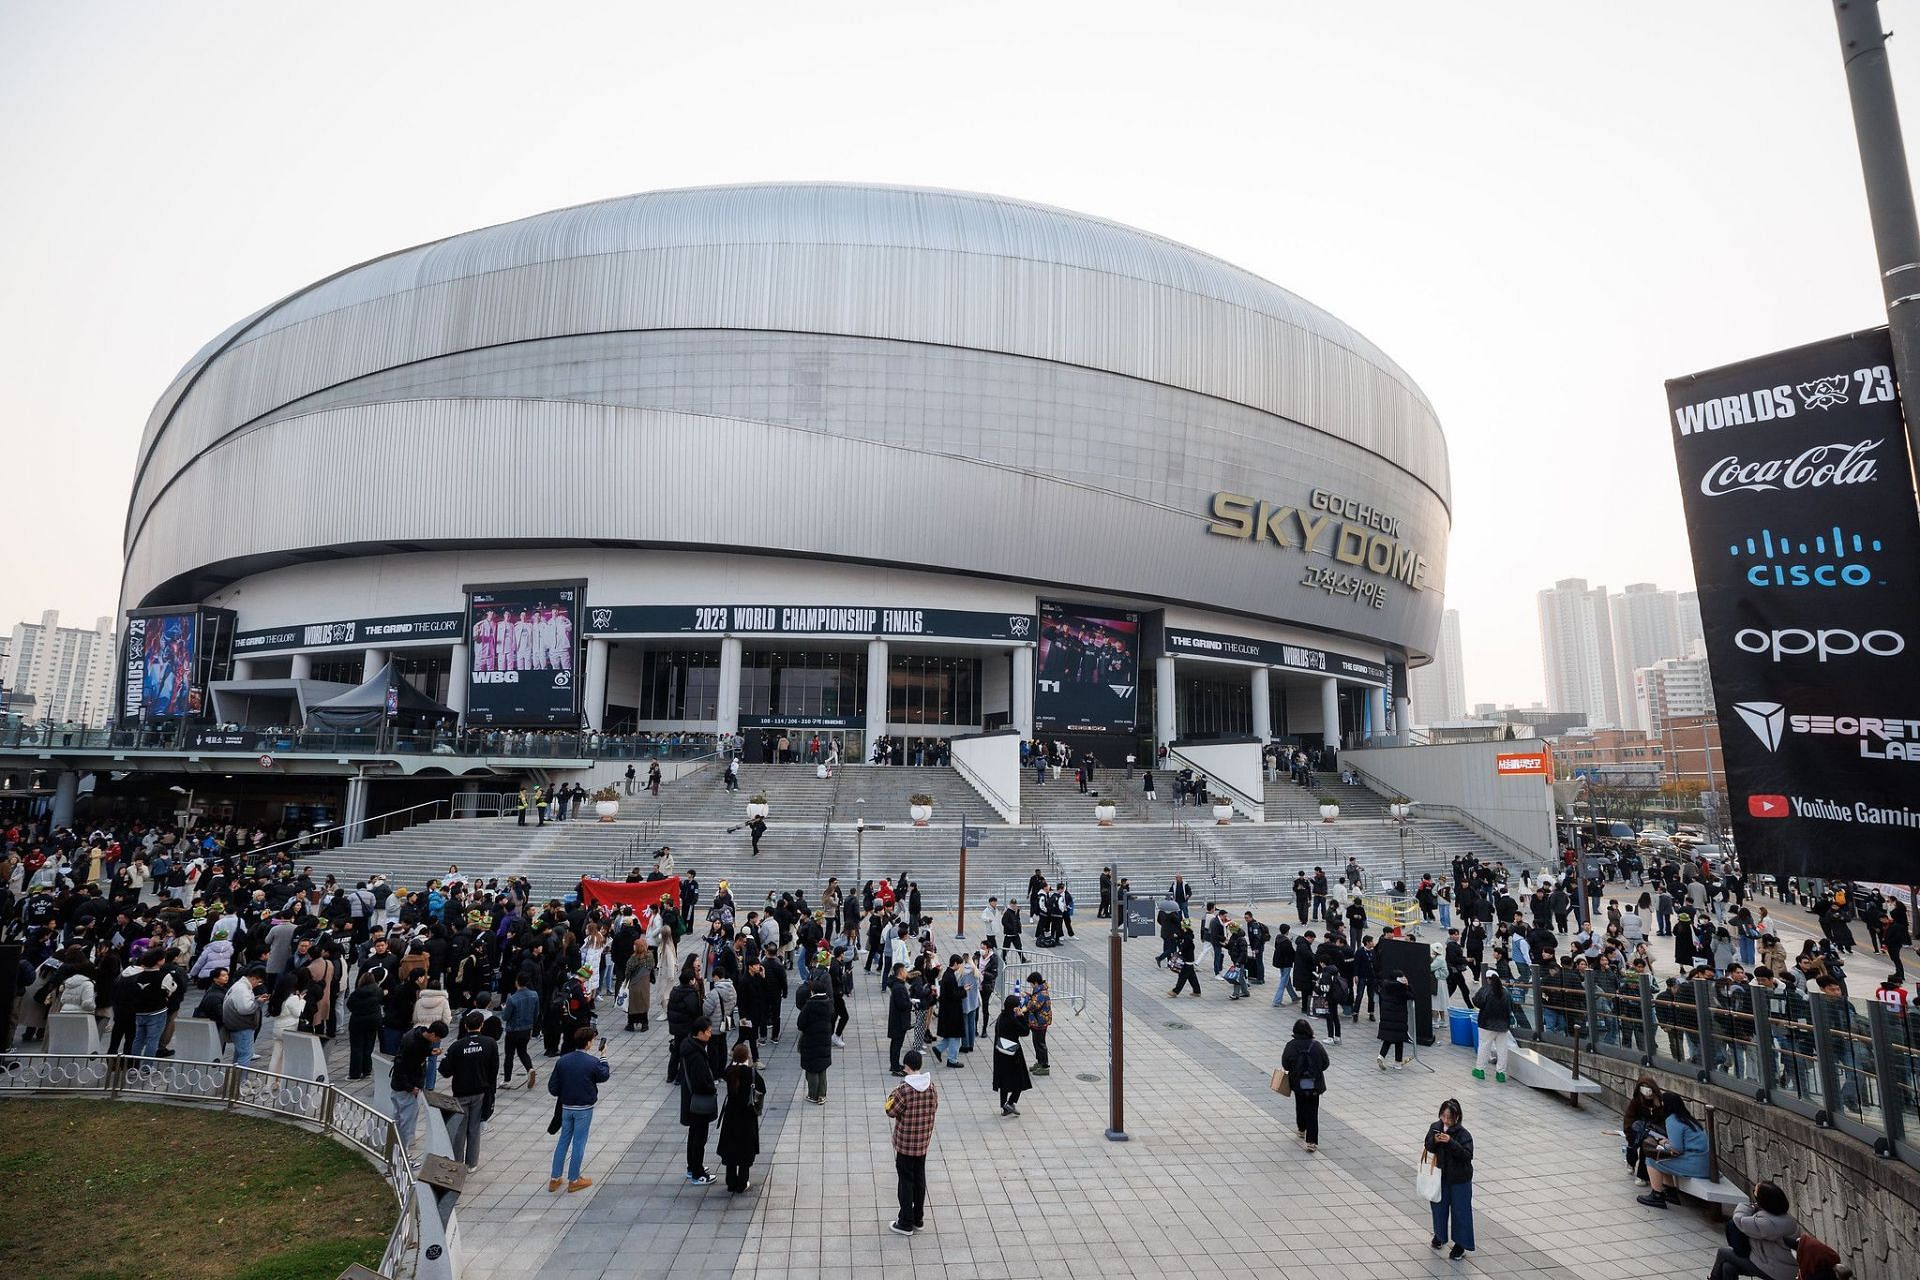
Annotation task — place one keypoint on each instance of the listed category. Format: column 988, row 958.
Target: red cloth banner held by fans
column 638, row 894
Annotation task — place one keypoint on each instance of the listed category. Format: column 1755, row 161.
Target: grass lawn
column 98, row 1189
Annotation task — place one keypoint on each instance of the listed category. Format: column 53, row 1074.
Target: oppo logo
column 1795, row 642
column 1819, row 467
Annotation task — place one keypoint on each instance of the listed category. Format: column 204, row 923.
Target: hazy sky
column 1540, row 210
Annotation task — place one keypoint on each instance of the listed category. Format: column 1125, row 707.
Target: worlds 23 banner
column 1798, row 490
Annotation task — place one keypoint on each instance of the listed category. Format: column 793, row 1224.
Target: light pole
column 1116, row 1024
column 860, row 841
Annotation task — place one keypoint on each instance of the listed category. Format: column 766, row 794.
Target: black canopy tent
column 365, row 708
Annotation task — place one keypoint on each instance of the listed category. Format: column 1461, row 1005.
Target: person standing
column 241, row 1013
column 1305, row 1062
column 912, row 1106
column 1106, row 891
column 1451, row 1146
column 815, row 1025
column 1496, row 1028
column 1396, row 1001
column 408, row 1079
column 899, row 1017
column 639, row 985
column 1037, row 1008
column 575, row 1080
column 699, row 1099
column 472, row 1062
column 684, row 1005
column 1010, row 1075
column 740, row 1119
column 951, row 1016
column 987, row 961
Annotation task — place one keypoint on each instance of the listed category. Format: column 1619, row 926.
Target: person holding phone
column 1451, row 1146
column 575, row 1084
column 699, row 1099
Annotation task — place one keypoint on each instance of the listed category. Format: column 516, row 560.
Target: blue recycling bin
column 1463, row 1028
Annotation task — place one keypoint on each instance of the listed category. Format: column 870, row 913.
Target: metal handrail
column 324, row 834
column 988, row 792
column 1254, row 808
column 1453, row 812
column 341, row 1116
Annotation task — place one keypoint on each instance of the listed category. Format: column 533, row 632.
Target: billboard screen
column 1795, row 476
column 160, row 666
column 520, row 666
column 1087, row 671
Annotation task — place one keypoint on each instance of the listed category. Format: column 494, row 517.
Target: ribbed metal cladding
column 1041, row 377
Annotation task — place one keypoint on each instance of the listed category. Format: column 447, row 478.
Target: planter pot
column 1328, row 812
column 1103, row 814
column 607, row 809
column 756, row 811
column 1223, row 814
column 920, row 813
column 1400, row 811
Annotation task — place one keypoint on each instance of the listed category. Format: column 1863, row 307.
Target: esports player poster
column 520, row 661
column 167, row 657
column 1087, row 670
column 1795, row 476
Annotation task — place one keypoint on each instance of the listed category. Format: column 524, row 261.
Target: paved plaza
column 1212, row 1182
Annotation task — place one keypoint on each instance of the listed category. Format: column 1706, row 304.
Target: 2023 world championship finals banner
column 1798, row 489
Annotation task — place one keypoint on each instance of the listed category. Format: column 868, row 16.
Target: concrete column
column 1403, row 718
column 1021, row 702
column 876, row 691
column 1166, row 723
column 376, row 659
column 1330, row 712
column 595, row 706
column 302, row 666
column 66, row 790
column 457, row 680
column 1262, row 706
column 1377, row 714
column 354, row 816
column 728, row 709
column 243, row 668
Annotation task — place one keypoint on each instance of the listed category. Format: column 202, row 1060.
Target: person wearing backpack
column 1305, row 1062
column 1331, row 992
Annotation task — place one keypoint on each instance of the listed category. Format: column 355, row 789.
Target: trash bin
column 1465, row 1030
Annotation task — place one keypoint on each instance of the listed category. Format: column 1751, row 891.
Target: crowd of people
column 143, row 924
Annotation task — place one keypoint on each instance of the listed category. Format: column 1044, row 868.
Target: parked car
column 1653, row 838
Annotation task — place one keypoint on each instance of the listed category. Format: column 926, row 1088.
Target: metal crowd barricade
column 1849, row 1066
column 321, row 1108
column 1065, row 977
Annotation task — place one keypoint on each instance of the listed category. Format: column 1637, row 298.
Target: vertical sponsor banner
column 1798, row 490
column 1087, row 671
column 523, row 643
column 133, row 671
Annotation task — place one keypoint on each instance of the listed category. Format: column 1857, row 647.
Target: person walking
column 408, row 1079
column 1010, row 930
column 740, row 1119
column 1305, row 1062
column 472, row 1062
column 1451, row 1147
column 912, row 1106
column 815, row 1025
column 575, row 1081
column 1010, row 1075
column 1496, row 1028
column 518, row 1015
column 1396, row 1002
column 699, row 1099
column 1185, row 973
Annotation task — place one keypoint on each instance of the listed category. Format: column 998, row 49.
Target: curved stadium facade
column 852, row 459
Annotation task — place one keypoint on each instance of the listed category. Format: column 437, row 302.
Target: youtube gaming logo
column 1767, row 807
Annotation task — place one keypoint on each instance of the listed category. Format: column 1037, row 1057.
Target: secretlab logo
column 1797, row 642
column 1879, row 737
column 1819, row 467
column 1832, row 558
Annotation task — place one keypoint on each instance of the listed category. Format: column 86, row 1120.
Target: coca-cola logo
column 1818, row 467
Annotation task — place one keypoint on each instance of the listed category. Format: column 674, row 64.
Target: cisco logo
column 1830, row 559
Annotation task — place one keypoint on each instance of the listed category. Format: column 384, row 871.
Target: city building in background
column 1673, row 688
column 66, row 673
column 1440, row 688
column 1646, row 630
column 1576, row 650
column 1687, row 613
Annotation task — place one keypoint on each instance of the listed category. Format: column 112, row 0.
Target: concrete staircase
column 1059, row 800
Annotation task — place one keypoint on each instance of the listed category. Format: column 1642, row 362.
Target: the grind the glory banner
column 1798, row 490
column 1086, row 674
column 520, row 668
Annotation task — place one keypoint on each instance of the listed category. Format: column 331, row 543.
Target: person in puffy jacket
column 217, row 954
column 683, row 1007
column 1496, row 1027
column 76, row 994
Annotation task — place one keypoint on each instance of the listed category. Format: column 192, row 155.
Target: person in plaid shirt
column 912, row 1105
column 1037, row 1007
